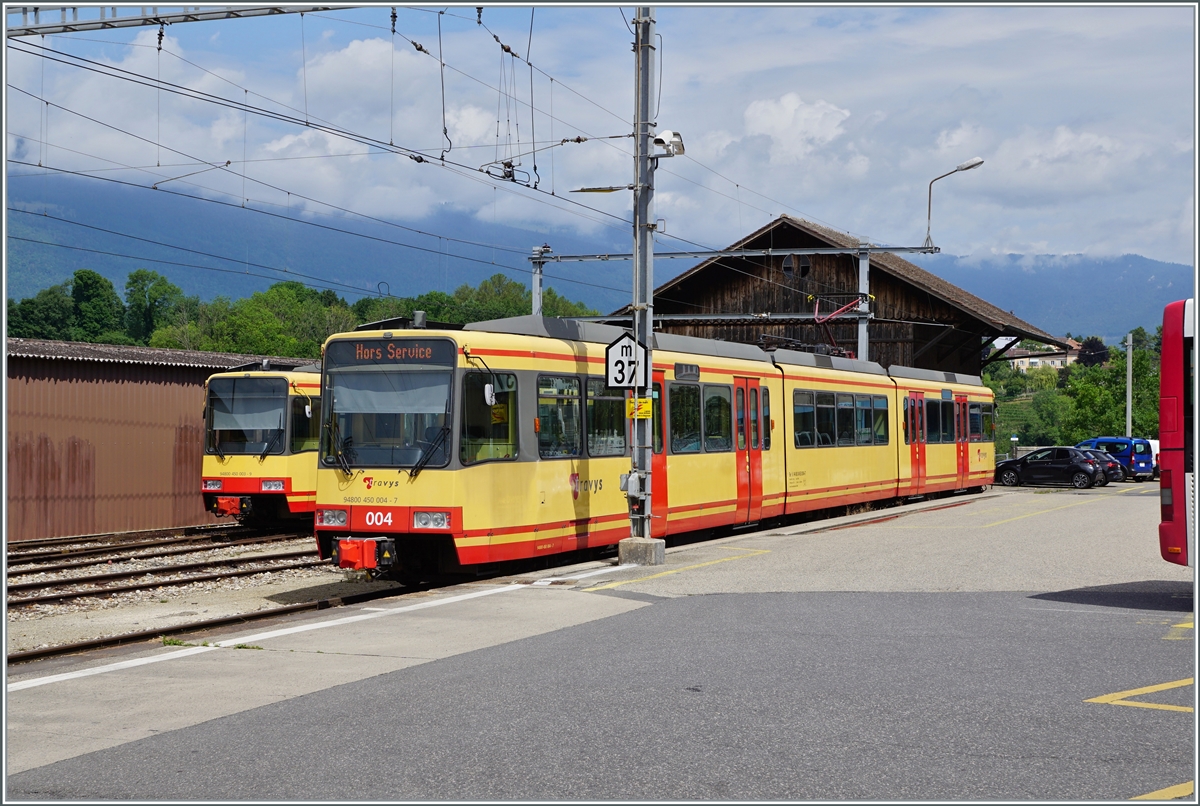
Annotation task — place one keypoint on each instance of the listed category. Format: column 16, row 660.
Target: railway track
column 55, row 543
column 96, row 584
column 205, row 624
column 41, row 563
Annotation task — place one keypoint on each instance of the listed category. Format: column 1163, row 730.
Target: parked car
column 1135, row 454
column 1057, row 465
column 1154, row 450
column 1108, row 464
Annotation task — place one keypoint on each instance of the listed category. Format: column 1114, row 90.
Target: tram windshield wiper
column 273, row 440
column 339, row 446
column 427, row 456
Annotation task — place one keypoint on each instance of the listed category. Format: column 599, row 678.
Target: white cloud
column 796, row 128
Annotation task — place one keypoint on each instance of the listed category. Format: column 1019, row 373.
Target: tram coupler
column 231, row 505
column 364, row 553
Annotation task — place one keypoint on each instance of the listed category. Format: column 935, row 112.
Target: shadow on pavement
column 1149, row 595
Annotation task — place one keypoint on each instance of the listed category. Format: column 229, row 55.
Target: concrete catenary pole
column 1129, row 385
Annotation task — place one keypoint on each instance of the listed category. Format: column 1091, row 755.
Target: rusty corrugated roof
column 131, row 354
column 1005, row 322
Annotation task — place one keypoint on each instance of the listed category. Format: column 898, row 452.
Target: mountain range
column 231, row 251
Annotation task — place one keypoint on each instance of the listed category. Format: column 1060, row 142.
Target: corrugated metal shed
column 106, row 438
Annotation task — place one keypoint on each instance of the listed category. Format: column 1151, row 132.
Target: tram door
column 915, row 428
column 658, row 462
column 961, row 435
column 748, row 424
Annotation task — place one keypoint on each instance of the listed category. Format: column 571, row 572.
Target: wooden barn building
column 916, row 318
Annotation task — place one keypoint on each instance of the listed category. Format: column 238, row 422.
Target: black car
column 1113, row 470
column 1058, row 465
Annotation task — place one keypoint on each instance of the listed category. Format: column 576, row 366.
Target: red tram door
column 748, row 444
column 961, row 436
column 916, row 442
column 658, row 462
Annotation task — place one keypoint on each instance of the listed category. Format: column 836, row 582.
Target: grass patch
column 246, row 646
column 175, row 642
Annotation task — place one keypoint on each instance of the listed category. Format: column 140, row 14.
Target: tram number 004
column 374, row 518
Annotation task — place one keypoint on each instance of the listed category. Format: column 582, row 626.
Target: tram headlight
column 431, row 520
column 212, row 484
column 272, row 486
column 331, row 517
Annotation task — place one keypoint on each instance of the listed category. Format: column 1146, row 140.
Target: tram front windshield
column 388, row 403
column 247, row 415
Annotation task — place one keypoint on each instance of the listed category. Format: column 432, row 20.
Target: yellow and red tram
column 443, row 449
column 262, row 429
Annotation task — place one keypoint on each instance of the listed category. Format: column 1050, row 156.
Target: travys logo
column 587, row 485
column 370, row 481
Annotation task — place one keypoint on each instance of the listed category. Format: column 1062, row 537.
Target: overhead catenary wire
column 533, row 108
column 413, row 154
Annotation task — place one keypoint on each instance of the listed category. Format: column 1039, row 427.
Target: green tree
column 50, row 314
column 98, row 308
column 150, row 300
column 1092, row 352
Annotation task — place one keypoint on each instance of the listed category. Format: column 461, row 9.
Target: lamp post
column 974, row 162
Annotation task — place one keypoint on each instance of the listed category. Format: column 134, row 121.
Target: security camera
column 669, row 140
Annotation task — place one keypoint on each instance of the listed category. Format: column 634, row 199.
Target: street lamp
column 974, row 162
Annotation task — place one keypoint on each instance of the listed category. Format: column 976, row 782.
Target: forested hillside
column 288, row 319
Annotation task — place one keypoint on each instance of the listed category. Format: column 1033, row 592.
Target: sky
column 1085, row 117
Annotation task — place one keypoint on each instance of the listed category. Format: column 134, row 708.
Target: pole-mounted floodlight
column 974, row 162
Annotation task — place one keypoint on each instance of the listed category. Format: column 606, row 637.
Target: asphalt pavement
column 1021, row 644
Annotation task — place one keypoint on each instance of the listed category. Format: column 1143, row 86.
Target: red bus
column 1176, row 418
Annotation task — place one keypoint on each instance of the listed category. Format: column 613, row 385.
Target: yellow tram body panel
column 240, row 479
column 501, row 490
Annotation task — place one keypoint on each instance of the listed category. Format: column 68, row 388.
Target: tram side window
column 904, row 421
column 656, row 418
column 766, row 400
column 975, row 421
column 718, row 419
column 933, row 420
column 804, row 419
column 488, row 432
column 754, row 419
column 879, row 425
column 845, row 419
column 948, row 421
column 684, row 403
column 605, row 419
column 864, row 424
column 306, row 430
column 559, row 434
column 826, row 419
column 988, row 427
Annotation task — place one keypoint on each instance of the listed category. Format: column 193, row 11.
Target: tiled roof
column 127, row 354
column 1004, row 321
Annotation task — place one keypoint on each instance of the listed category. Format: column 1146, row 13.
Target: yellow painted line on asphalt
column 749, row 553
column 1170, row 793
column 1044, row 511
column 1122, row 697
column 1180, row 631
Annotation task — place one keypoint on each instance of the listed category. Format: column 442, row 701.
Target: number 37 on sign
column 625, row 363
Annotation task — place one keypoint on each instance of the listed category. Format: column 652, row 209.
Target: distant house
column 1023, row 360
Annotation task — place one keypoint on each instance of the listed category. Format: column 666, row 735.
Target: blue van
column 1135, row 454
